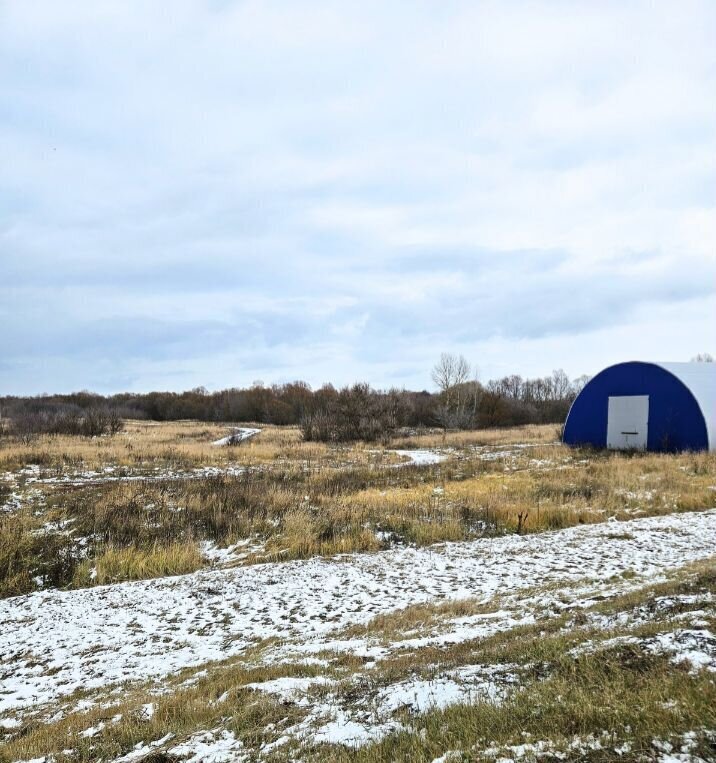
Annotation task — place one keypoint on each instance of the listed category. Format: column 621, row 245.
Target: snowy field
column 56, row 642
column 350, row 656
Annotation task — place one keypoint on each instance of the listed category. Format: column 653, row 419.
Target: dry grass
column 174, row 444
column 548, row 639
column 619, row 694
column 467, row 497
column 218, row 699
column 114, row 565
column 304, row 499
column 436, row 438
column 616, row 695
column 28, row 553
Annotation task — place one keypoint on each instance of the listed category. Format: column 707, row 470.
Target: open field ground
column 483, row 595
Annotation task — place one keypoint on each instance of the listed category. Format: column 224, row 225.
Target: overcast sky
column 211, row 193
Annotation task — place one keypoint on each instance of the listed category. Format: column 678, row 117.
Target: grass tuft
column 117, row 564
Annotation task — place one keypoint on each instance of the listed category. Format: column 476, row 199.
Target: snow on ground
column 693, row 647
column 465, row 684
column 420, row 457
column 32, row 474
column 360, row 719
column 140, row 751
column 217, row 556
column 290, row 689
column 23, row 491
column 663, row 607
column 696, row 647
column 53, row 642
column 239, row 435
column 679, row 750
column 217, row 746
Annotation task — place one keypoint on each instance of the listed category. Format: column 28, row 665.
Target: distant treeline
column 327, row 413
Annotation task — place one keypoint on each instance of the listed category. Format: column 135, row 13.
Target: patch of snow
column 216, row 746
column 142, row 751
column 695, row 647
column 123, row 474
column 92, row 730
column 343, row 730
column 371, row 718
column 636, row 495
column 459, row 686
column 147, row 711
column 53, row 642
column 290, row 689
column 420, row 457
column 660, row 607
column 220, row 557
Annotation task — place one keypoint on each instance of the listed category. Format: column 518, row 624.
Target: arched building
column 646, row 406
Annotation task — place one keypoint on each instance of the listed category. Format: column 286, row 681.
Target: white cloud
column 349, row 189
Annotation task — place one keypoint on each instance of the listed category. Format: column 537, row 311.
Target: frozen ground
column 35, row 475
column 23, row 483
column 54, row 642
column 423, row 457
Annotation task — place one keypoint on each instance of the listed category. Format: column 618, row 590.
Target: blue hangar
column 646, row 406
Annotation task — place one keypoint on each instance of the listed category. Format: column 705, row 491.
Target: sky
column 213, row 193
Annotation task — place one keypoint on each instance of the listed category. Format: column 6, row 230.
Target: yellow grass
column 297, row 499
column 176, row 443
column 114, row 565
column 531, row 433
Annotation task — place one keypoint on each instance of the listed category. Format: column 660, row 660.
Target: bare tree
column 580, row 383
column 451, row 375
column 476, row 393
column 450, row 371
column 560, row 385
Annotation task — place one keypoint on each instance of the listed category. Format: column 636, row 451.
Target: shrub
column 354, row 413
column 27, row 424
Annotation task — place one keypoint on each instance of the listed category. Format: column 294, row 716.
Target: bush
column 27, row 424
column 327, row 414
column 354, row 413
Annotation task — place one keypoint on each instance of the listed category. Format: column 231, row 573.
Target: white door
column 628, row 422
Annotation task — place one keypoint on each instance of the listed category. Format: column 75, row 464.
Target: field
column 486, row 595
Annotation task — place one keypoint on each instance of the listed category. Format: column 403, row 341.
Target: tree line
column 353, row 412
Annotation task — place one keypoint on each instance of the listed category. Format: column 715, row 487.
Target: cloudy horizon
column 231, row 191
